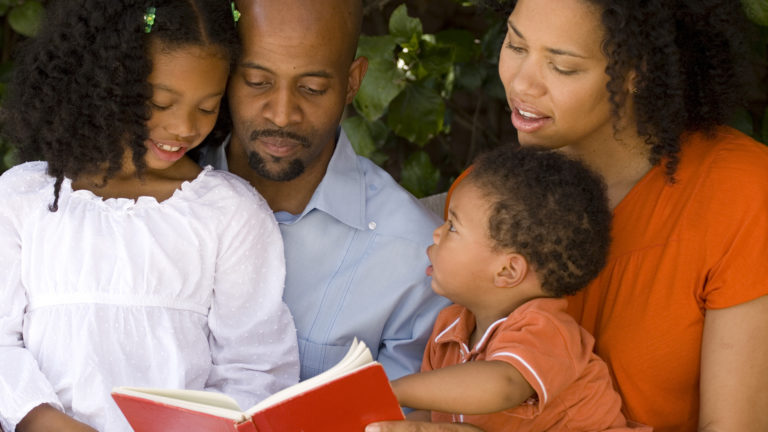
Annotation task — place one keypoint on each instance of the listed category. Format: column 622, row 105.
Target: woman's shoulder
column 723, row 150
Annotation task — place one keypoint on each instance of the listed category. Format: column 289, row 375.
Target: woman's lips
column 528, row 121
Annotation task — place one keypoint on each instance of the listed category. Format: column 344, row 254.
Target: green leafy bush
column 430, row 101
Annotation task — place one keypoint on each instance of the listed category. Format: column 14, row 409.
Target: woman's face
column 553, row 71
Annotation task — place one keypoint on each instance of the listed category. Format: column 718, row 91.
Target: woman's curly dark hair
column 79, row 96
column 549, row 208
column 689, row 61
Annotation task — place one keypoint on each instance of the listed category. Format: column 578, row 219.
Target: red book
column 347, row 397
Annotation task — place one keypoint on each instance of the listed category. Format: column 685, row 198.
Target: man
column 355, row 241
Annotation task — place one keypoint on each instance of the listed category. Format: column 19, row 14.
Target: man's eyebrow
column 257, row 66
column 555, row 51
column 178, row 93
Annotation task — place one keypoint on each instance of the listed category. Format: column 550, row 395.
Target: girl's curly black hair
column 79, row 96
column 549, row 208
column 689, row 61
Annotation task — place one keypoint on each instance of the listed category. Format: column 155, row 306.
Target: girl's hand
column 47, row 418
column 417, row 426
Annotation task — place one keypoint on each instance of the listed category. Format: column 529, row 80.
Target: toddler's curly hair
column 550, row 209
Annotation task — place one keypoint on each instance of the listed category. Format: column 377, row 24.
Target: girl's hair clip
column 149, row 19
column 235, row 13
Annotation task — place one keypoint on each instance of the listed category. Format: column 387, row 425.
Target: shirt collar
column 460, row 330
column 341, row 193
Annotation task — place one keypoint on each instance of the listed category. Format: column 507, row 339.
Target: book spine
column 246, row 426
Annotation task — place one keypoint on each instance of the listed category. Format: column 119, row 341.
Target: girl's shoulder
column 25, row 178
column 224, row 188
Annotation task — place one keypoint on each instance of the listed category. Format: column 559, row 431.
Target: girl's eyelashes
column 451, row 228
column 158, row 106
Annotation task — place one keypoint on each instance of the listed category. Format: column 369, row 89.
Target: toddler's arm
column 481, row 387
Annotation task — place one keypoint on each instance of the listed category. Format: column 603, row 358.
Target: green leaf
column 9, row 158
column 756, row 10
column 470, row 75
column 465, row 47
column 403, row 27
column 437, row 59
column 417, row 114
column 419, row 176
column 359, row 135
column 383, row 81
column 492, row 40
column 25, row 18
column 742, row 121
column 764, row 137
column 367, row 138
column 493, row 87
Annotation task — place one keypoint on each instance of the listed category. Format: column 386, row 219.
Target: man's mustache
column 278, row 133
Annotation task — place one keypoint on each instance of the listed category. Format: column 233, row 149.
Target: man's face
column 290, row 87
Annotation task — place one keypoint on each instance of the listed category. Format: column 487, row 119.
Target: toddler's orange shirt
column 572, row 385
column 678, row 250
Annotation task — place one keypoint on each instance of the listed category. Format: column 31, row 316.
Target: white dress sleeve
column 22, row 385
column 253, row 336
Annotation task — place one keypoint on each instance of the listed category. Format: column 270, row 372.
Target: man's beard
column 295, row 167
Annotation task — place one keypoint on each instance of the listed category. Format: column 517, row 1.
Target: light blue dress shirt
column 355, row 263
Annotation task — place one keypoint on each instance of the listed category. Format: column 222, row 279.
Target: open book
column 346, row 397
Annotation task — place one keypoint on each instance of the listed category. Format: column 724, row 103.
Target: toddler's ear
column 513, row 272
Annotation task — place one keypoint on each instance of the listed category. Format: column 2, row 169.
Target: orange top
column 572, row 385
column 678, row 250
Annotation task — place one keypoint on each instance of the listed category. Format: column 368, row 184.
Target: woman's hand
column 47, row 418
column 418, row 426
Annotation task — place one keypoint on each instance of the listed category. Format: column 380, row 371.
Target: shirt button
column 372, row 225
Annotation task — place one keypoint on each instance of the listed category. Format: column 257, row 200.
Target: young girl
column 123, row 262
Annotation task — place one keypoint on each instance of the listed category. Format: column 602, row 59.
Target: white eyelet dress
column 184, row 293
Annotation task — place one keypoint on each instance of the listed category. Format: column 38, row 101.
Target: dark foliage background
column 432, row 99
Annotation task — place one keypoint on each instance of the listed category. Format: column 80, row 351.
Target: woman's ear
column 631, row 82
column 513, row 271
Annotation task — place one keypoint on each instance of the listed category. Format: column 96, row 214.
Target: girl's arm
column 734, row 368
column 253, row 339
column 47, row 418
column 480, row 387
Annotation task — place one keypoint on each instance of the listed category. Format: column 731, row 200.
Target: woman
column 638, row 90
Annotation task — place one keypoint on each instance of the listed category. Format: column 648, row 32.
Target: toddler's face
column 463, row 259
column 187, row 86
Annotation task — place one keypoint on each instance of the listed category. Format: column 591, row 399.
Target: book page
column 203, row 401
column 358, row 355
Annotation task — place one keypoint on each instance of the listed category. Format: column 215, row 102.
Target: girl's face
column 553, row 71
column 187, row 86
